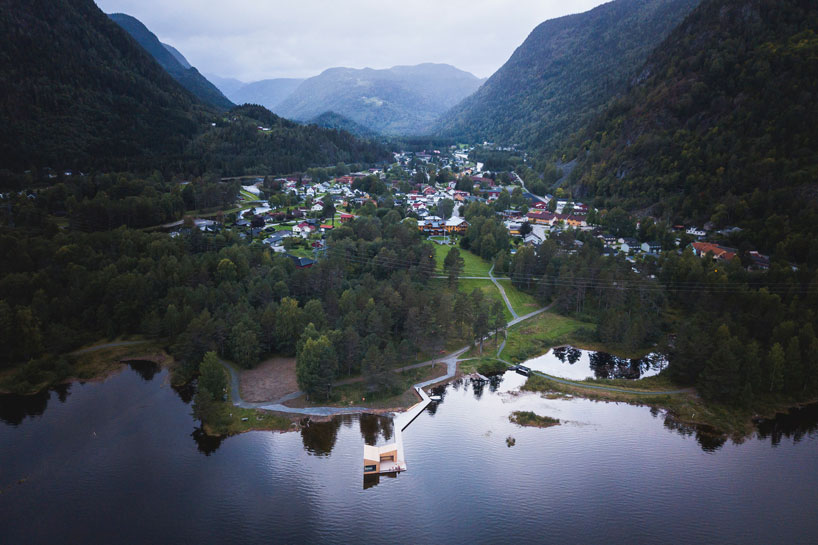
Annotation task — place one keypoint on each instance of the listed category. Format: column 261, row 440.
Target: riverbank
column 683, row 406
column 95, row 362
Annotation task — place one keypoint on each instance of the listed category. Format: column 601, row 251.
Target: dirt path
column 514, row 314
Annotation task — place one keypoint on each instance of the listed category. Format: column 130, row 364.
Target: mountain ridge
column 397, row 100
column 565, row 71
column 172, row 61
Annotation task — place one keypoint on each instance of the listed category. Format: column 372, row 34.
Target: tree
column 445, row 208
column 315, row 367
column 777, row 363
column 212, row 378
column 498, row 319
column 453, row 266
column 289, row 325
column 244, row 344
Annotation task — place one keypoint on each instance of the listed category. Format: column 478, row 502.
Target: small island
column 532, row 420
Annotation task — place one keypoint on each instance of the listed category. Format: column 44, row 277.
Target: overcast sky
column 259, row 39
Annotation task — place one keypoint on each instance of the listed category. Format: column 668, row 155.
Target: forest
column 366, row 307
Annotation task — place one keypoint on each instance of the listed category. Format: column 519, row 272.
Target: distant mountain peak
column 397, row 100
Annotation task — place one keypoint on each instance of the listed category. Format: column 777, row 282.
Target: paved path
column 503, row 293
column 107, row 345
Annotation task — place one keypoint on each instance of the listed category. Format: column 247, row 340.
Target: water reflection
column 319, row 437
column 374, row 428
column 375, row 480
column 577, row 364
column 206, row 444
column 708, row 438
column 15, row 408
column 144, row 368
column 797, row 423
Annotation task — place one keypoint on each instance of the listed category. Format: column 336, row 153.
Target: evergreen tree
column 316, row 367
column 212, row 377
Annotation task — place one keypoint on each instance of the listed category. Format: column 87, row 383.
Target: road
column 522, row 183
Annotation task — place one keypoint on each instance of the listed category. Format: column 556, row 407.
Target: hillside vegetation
column 173, row 62
column 722, row 127
column 565, row 71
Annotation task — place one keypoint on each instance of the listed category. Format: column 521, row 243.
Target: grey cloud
column 257, row 39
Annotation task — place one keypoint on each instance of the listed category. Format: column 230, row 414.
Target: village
column 294, row 214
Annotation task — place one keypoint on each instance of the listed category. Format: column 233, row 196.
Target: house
column 629, row 245
column 542, row 217
column 759, row 261
column 572, row 220
column 303, row 229
column 722, row 253
column 276, row 240
column 347, row 217
column 513, row 228
column 432, row 228
column 532, row 239
column 456, row 225
column 607, row 240
column 301, row 262
column 652, row 247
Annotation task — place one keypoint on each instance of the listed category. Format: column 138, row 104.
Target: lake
column 578, row 364
column 123, row 461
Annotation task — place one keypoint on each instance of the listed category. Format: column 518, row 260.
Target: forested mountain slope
column 172, row 61
column 564, row 72
column 77, row 91
column 722, row 126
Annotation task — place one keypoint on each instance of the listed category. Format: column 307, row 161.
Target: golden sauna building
column 381, row 459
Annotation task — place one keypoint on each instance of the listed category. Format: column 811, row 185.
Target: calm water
column 577, row 364
column 122, row 461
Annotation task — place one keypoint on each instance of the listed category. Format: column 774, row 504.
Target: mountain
column 268, row 93
column 178, row 56
column 563, row 73
column 227, row 86
column 398, row 100
column 173, row 62
column 252, row 139
column 331, row 120
column 77, row 92
column 721, row 125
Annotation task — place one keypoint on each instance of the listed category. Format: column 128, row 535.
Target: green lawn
column 473, row 265
column 535, row 336
column 522, row 302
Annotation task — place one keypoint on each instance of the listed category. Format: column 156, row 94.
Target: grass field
column 522, row 302
column 473, row 265
column 535, row 336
